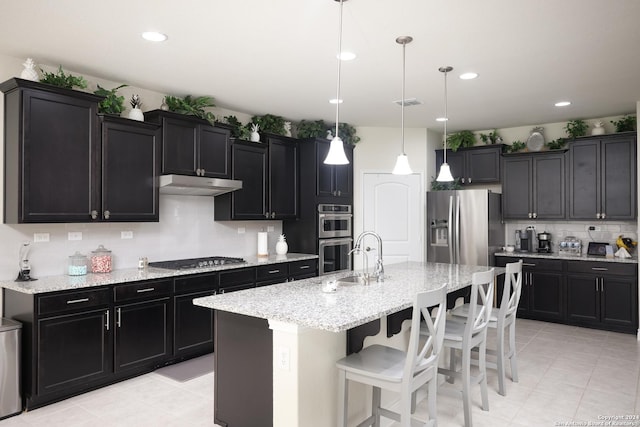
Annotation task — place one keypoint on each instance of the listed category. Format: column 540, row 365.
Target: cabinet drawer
column 272, row 272
column 73, row 301
column 190, row 284
column 542, row 264
column 240, row 276
column 595, row 267
column 304, row 267
column 146, row 290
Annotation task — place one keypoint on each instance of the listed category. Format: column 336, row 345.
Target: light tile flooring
column 566, row 374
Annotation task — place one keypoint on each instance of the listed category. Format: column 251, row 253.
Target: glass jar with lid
column 101, row 260
column 77, row 264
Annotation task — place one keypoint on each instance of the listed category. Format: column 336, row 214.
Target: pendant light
column 336, row 155
column 402, row 162
column 445, row 171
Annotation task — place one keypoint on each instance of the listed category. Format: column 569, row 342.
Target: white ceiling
column 278, row 56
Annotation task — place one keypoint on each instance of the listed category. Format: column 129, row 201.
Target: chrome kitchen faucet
column 378, row 272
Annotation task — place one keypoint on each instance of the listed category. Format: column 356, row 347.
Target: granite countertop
column 302, row 302
column 555, row 255
column 65, row 282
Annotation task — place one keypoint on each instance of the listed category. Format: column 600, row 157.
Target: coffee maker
column 524, row 240
column 544, row 242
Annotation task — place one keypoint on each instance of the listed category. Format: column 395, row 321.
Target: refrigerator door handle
column 457, row 235
column 450, row 231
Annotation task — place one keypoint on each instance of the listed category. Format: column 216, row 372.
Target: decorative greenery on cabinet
column 238, row 130
column 462, row 139
column 625, row 124
column 514, row 147
column 193, row 106
column 112, row 102
column 270, row 123
column 491, row 138
column 575, row 129
column 61, row 79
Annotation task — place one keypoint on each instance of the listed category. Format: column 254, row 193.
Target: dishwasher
column 10, row 398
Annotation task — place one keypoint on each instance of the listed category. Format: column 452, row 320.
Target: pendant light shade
column 336, row 155
column 445, row 171
column 402, row 162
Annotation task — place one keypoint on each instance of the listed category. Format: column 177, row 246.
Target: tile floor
column 566, row 374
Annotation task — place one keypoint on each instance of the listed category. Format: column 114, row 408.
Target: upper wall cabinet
column 64, row 164
column 191, row 146
column 474, row 165
column 321, row 183
column 51, row 153
column 602, row 177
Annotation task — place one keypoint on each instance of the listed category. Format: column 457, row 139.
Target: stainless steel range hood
column 197, row 185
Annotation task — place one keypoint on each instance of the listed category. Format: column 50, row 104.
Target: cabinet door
column 483, row 165
column 142, row 334
column 193, row 326
column 344, row 176
column 516, row 188
column 179, row 143
column 548, row 186
column 546, row 296
column 583, row 299
column 619, row 305
column 249, row 166
column 59, row 153
column 130, row 168
column 584, row 180
column 324, row 172
column 73, row 350
column 619, row 178
column 214, row 151
column 283, row 179
column 457, row 165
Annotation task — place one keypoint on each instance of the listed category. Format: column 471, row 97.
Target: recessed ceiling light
column 562, row 103
column 154, row 36
column 335, row 101
column 441, row 119
column 468, row 76
column 346, row 56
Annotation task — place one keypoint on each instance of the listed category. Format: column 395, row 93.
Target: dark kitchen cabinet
column 193, row 325
column 542, row 296
column 474, row 165
column 269, row 175
column 143, row 327
column 191, row 146
column 51, row 153
column 303, row 269
column 130, row 168
column 602, row 295
column 271, row 274
column 237, row 279
column 331, row 181
column 533, row 186
column 602, row 177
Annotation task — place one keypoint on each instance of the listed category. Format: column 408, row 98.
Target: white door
column 393, row 207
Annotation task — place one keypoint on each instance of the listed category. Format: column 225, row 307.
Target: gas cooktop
column 185, row 264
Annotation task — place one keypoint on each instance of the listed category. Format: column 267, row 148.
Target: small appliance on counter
column 524, row 239
column 544, row 242
column 24, row 268
column 570, row 246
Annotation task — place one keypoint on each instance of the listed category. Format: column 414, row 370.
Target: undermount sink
column 350, row 280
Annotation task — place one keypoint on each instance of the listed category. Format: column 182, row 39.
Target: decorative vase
column 164, row 106
column 598, row 128
column 136, row 114
column 281, row 246
column 29, row 72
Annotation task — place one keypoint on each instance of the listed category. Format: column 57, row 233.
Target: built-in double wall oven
column 334, row 238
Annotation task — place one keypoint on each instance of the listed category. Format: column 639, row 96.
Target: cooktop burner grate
column 185, row 264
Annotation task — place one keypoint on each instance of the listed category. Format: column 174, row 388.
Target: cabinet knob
column 469, row 180
column 535, row 215
column 107, row 214
column 273, row 214
column 463, row 180
column 339, row 193
column 530, row 215
column 202, row 172
column 198, row 171
column 603, row 215
column 266, row 215
column 94, row 214
column 598, row 215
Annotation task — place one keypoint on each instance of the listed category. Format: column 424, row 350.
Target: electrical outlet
column 270, row 228
column 284, row 357
column 241, row 230
column 594, row 228
column 126, row 234
column 40, row 237
column 74, row 235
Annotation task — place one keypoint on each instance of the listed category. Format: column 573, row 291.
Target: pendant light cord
column 339, row 68
column 404, row 47
column 446, row 116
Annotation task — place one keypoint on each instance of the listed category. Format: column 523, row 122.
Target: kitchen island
column 285, row 340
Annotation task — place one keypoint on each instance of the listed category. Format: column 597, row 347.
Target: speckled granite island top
column 302, row 302
column 555, row 255
column 65, row 282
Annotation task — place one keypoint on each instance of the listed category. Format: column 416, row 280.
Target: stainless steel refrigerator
column 464, row 226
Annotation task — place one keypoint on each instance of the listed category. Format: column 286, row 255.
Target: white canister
column 263, row 247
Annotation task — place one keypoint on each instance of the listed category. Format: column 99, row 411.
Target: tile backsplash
column 608, row 231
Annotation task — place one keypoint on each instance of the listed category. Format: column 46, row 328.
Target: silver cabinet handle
column 106, row 325
column 274, row 271
column 118, row 318
column 75, row 301
column 222, row 291
column 303, row 267
column 107, row 214
column 596, row 284
column 527, row 264
column 600, row 268
column 139, row 291
column 94, row 214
